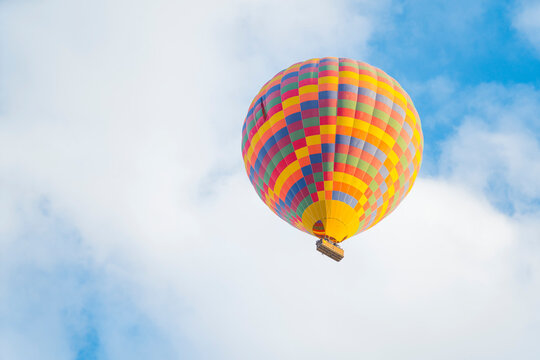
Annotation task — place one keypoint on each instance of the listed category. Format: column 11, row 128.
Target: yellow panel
column 349, row 74
column 376, row 131
column 391, row 191
column 293, row 100
column 329, row 80
column 416, row 135
column 362, row 125
column 382, row 212
column 367, row 78
column 390, row 89
column 306, row 89
column 328, row 129
column 271, row 193
column 393, row 158
column 418, row 158
column 300, row 153
column 342, row 223
column 362, row 200
column 345, row 121
column 388, row 140
column 410, row 114
column 313, row 140
column 289, row 170
column 352, row 181
column 328, row 185
column 394, row 175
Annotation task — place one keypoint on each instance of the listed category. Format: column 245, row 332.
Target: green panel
column 403, row 161
column 340, row 158
column 347, row 104
column 364, row 166
column 395, row 124
column 402, row 144
column 328, row 166
column 287, row 149
column 360, row 106
column 299, row 134
column 372, row 171
column 259, row 114
column 328, row 67
column 401, row 180
column 291, row 86
column 348, row 63
column 312, row 121
column 308, row 75
column 273, row 102
column 363, row 67
column 351, row 160
column 381, row 115
column 270, row 169
column 328, row 111
column 250, row 126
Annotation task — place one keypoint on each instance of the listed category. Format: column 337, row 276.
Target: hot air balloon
column 332, row 146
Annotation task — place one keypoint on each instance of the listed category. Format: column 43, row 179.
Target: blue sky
column 467, row 42
column 128, row 228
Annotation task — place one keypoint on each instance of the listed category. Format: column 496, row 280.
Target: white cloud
column 443, row 272
column 504, row 164
column 497, row 149
column 526, row 21
column 126, row 120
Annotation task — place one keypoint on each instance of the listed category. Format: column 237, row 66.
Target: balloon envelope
column 332, row 146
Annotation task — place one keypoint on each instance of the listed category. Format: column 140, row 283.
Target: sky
column 129, row 229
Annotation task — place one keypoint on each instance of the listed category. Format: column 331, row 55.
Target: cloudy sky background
column 129, row 230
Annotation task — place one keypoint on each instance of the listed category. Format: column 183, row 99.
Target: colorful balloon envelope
column 332, row 146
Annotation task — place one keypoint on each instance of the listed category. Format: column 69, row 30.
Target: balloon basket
column 329, row 249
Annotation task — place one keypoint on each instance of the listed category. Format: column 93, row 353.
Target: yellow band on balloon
column 340, row 220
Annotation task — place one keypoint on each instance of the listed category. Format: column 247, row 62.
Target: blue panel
column 343, row 139
column 348, row 88
column 315, row 158
column 269, row 143
column 306, row 170
column 367, row 92
column 297, row 116
column 370, row 149
column 379, row 154
column 281, row 134
column 257, row 165
column 328, row 95
column 328, row 148
column 290, row 75
column 310, row 104
column 273, row 88
column 357, row 143
column 312, row 65
column 346, row 198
